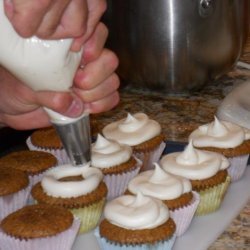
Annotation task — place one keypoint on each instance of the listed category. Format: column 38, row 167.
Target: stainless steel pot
column 173, row 45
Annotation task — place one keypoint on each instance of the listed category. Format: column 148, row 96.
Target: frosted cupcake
column 136, row 223
column 39, row 227
column 207, row 172
column 144, row 135
column 47, row 139
column 79, row 189
column 175, row 191
column 14, row 190
column 117, row 164
column 228, row 139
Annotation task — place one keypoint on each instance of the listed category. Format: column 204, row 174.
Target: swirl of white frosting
column 52, row 185
column 133, row 130
column 136, row 212
column 220, row 134
column 194, row 164
column 108, row 153
column 159, row 184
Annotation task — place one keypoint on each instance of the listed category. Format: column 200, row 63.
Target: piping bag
column 47, row 65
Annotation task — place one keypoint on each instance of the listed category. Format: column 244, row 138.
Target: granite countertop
column 179, row 115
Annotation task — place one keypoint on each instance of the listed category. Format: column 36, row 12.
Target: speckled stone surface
column 179, row 115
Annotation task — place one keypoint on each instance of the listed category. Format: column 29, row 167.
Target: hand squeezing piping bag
column 47, row 65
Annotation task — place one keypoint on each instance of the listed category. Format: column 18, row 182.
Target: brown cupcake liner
column 61, row 241
column 237, row 167
column 149, row 157
column 60, row 154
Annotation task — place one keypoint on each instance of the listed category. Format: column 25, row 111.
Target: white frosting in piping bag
column 193, row 163
column 159, row 184
column 67, row 189
column 132, row 130
column 220, row 134
column 108, row 153
column 136, row 212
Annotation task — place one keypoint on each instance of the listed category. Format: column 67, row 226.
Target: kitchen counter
column 179, row 115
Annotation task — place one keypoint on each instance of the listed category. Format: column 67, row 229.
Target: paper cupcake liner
column 11, row 203
column 89, row 215
column 61, row 241
column 211, row 198
column 237, row 167
column 117, row 183
column 108, row 245
column 183, row 216
column 148, row 158
column 60, row 154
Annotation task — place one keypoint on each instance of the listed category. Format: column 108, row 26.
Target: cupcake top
column 194, row 164
column 136, row 212
column 108, row 153
column 30, row 162
column 219, row 134
column 53, row 184
column 12, row 180
column 132, row 130
column 159, row 184
column 36, row 221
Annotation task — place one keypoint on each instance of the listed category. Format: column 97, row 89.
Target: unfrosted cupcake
column 39, row 227
column 80, row 189
column 136, row 223
column 207, row 172
column 33, row 163
column 144, row 135
column 47, row 139
column 116, row 162
column 175, row 191
column 14, row 190
column 228, row 139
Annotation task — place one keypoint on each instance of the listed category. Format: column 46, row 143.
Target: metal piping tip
column 76, row 139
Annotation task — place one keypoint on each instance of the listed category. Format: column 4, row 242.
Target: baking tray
column 206, row 228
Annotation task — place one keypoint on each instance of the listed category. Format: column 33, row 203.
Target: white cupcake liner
column 108, row 245
column 61, row 241
column 183, row 216
column 150, row 157
column 117, row 183
column 12, row 202
column 60, row 154
column 237, row 167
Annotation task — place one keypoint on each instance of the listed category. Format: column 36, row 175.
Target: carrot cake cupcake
column 14, row 190
column 47, row 139
column 140, row 132
column 175, row 191
column 116, row 162
column 80, row 189
column 40, row 227
column 228, row 139
column 207, row 172
column 136, row 223
column 33, row 163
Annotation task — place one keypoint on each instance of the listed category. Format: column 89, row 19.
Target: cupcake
column 14, row 190
column 47, row 139
column 144, row 135
column 79, row 189
column 207, row 172
column 175, row 191
column 39, row 227
column 116, row 162
column 136, row 223
column 228, row 139
column 33, row 163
